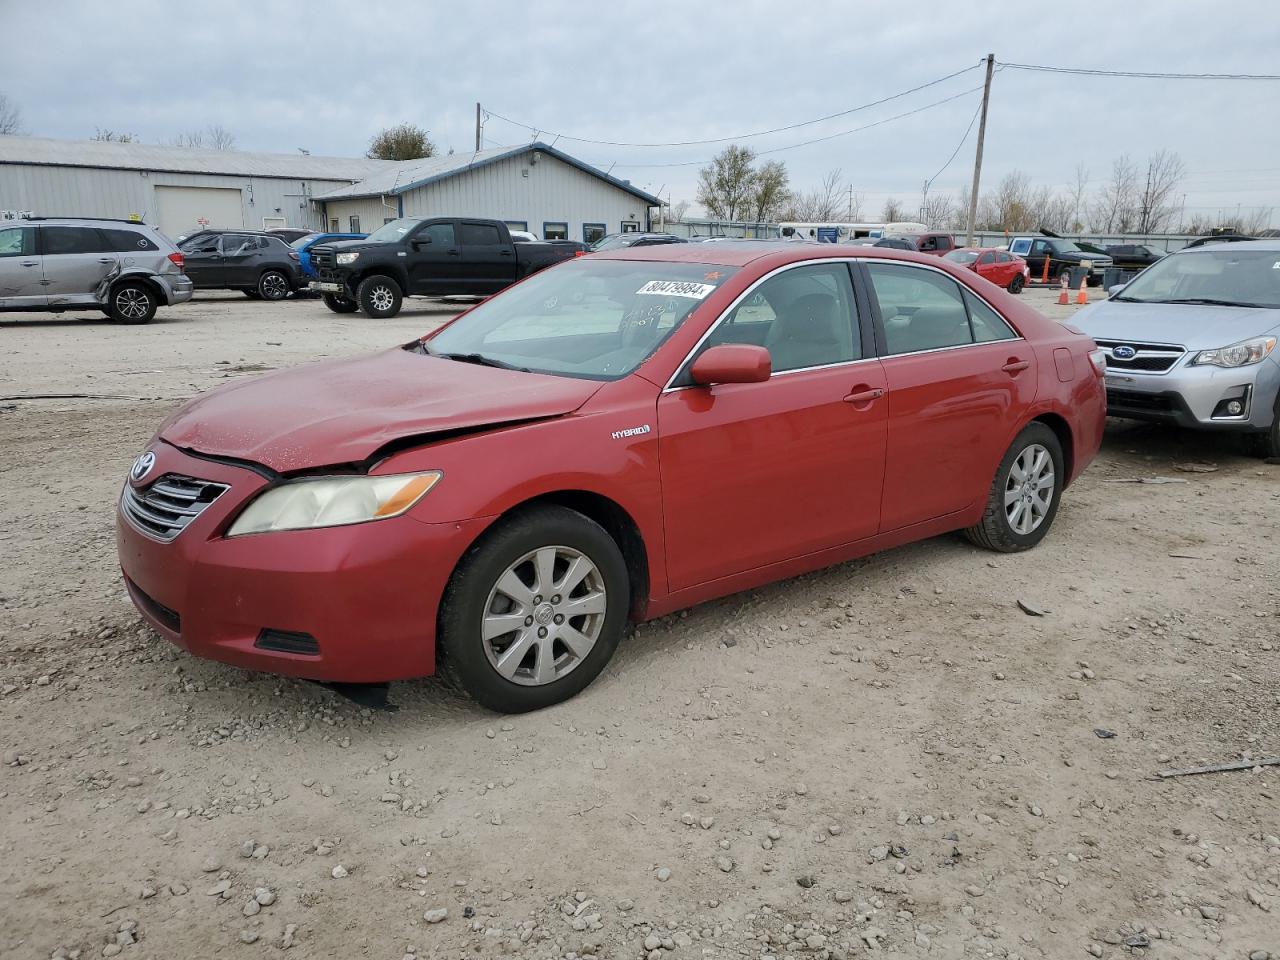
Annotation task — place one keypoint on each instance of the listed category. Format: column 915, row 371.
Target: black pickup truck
column 438, row 257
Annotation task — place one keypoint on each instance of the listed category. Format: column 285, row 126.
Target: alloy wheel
column 273, row 287
column 1029, row 489
column 132, row 303
column 381, row 298
column 544, row 615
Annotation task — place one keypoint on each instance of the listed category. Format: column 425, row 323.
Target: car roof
column 1272, row 243
column 78, row 222
column 739, row 253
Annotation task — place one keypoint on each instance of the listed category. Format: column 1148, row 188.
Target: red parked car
column 1001, row 267
column 610, row 440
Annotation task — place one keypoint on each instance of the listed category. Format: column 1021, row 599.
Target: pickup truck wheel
column 379, row 297
column 534, row 610
column 1017, row 283
column 132, row 302
column 273, row 285
column 340, row 304
column 1024, row 495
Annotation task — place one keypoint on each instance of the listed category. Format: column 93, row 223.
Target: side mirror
column 421, row 242
column 1114, row 289
column 732, row 363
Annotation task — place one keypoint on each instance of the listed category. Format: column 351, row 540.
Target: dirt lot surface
column 889, row 756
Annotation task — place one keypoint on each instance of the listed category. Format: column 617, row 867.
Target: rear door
column 488, row 259
column 958, row 378
column 435, row 259
column 76, row 262
column 21, row 274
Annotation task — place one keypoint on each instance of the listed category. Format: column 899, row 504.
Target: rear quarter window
column 128, row 241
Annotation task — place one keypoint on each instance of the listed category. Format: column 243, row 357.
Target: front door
column 202, row 260
column 239, row 257
column 757, row 473
column 21, row 273
column 488, row 261
column 435, row 259
column 957, row 378
column 76, row 261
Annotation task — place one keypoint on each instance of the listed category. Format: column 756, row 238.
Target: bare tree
column 1078, row 191
column 726, row 186
column 769, row 192
column 405, row 142
column 1155, row 207
column 830, row 201
column 213, row 137
column 893, row 211
column 937, row 211
column 678, row 210
column 1113, row 211
column 10, row 118
column 113, row 136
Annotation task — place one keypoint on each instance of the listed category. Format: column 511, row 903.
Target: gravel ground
column 886, row 756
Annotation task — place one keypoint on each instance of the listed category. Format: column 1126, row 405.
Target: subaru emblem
column 142, row 466
column 1124, row 352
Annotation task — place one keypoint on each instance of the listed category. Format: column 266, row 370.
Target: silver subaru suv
column 1192, row 341
column 123, row 268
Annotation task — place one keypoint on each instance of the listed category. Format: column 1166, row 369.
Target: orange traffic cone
column 1063, row 299
column 1083, row 296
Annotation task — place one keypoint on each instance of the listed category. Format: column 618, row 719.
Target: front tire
column 379, row 297
column 132, row 303
column 1017, row 283
column 273, row 285
column 1267, row 443
column 340, row 304
column 534, row 611
column 1024, row 495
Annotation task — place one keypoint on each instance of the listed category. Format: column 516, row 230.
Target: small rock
column 338, row 872
column 437, row 915
column 251, row 908
column 264, row 896
column 1210, row 913
column 290, row 932
column 664, row 874
column 843, row 896
column 974, row 891
column 805, row 881
column 246, row 849
column 627, row 905
column 725, row 864
column 248, row 936
column 211, row 864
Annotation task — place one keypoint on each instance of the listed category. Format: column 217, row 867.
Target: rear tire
column 1267, row 443
column 530, row 573
column 379, row 297
column 1017, row 283
column 1024, row 495
column 340, row 304
column 273, row 285
column 133, row 303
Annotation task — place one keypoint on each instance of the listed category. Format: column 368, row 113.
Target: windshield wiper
column 1207, row 301
column 481, row 360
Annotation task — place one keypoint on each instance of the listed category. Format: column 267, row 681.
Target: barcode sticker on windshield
column 677, row 288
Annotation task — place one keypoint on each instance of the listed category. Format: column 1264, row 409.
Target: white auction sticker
column 677, row 288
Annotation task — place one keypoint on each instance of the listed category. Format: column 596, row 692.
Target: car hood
column 344, row 411
column 1195, row 326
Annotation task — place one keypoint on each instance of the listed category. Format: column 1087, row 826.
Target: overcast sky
column 325, row 76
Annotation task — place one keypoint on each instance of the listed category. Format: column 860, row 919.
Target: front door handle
column 504, row 253
column 455, row 253
column 864, row 395
column 1015, row 365
column 31, row 263
column 106, row 259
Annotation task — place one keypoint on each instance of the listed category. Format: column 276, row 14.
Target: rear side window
column 17, row 241
column 987, row 325
column 70, row 240
column 944, row 243
column 128, row 241
column 921, row 309
column 478, row 235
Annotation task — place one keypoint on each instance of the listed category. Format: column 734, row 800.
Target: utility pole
column 977, row 160
column 478, row 125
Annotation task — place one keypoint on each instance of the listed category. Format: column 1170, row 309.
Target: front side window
column 63, row 240
column 440, row 234
column 921, row 309
column 555, row 231
column 17, row 241
column 201, row 243
column 479, row 235
column 585, row 318
column 804, row 317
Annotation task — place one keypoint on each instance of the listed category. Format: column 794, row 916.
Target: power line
column 967, row 131
column 741, row 136
column 806, row 143
column 1084, row 71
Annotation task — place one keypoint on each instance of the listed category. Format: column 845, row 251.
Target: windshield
column 962, row 256
column 1066, row 246
column 394, row 231
column 615, row 241
column 303, row 241
column 1231, row 275
column 594, row 319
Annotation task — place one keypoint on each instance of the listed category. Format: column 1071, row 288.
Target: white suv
column 123, row 268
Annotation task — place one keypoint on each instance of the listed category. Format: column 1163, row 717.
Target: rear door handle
column 106, row 259
column 864, row 396
column 504, row 253
column 455, row 253
column 1016, row 366
column 31, row 263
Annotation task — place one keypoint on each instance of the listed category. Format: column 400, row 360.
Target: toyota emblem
column 1124, row 352
column 142, row 466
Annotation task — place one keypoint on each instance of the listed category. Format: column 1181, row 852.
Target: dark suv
column 123, row 268
column 260, row 264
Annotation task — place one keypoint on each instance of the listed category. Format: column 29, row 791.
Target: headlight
column 332, row 502
column 345, row 258
column 1238, row 354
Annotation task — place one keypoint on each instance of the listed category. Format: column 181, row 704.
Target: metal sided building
column 532, row 187
column 176, row 188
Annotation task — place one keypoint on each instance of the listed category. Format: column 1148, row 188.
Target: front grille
column 1147, row 402
column 167, row 618
column 1149, row 358
column 166, row 507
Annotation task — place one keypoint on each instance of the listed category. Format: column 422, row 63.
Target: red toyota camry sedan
column 613, row 439
column 1001, row 267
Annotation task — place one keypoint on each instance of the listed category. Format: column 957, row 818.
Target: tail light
column 178, row 261
column 579, row 253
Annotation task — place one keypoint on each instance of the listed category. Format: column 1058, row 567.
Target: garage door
column 181, row 210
